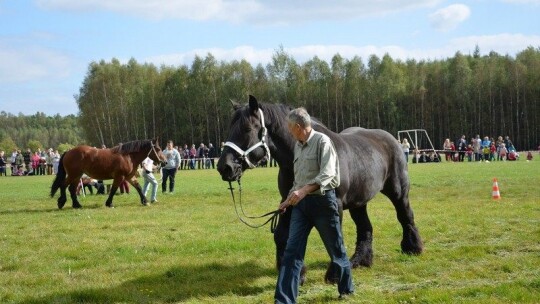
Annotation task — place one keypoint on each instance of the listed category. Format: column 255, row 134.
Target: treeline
column 467, row 94
column 38, row 131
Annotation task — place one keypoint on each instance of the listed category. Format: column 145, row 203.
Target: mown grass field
column 190, row 247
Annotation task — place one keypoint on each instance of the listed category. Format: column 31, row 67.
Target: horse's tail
column 60, row 176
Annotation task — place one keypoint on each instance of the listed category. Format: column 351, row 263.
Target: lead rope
column 273, row 214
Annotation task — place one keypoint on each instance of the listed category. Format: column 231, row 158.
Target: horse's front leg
column 73, row 193
column 363, row 254
column 137, row 186
column 114, row 188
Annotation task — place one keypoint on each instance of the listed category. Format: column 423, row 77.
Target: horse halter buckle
column 244, row 155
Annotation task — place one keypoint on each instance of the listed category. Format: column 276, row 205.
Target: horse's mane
column 277, row 113
column 131, row 147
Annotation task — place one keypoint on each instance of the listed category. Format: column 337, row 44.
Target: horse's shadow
column 174, row 285
column 30, row 210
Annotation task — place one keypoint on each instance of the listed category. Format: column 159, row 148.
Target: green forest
column 467, row 94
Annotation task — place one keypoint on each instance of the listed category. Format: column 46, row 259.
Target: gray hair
column 299, row 116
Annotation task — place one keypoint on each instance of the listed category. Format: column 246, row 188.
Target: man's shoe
column 343, row 296
column 154, row 201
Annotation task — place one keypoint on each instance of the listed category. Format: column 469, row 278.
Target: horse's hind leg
column 62, row 199
column 73, row 193
column 398, row 193
column 363, row 254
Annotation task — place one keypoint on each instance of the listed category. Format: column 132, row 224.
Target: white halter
column 244, row 154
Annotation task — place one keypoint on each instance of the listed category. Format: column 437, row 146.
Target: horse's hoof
column 61, row 203
column 110, row 206
column 329, row 278
column 77, row 206
column 365, row 260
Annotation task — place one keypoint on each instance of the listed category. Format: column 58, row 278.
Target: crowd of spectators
column 480, row 149
column 30, row 163
column 477, row 149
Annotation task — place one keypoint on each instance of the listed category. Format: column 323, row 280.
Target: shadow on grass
column 175, row 285
column 66, row 208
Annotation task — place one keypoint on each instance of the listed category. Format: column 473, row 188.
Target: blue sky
column 46, row 45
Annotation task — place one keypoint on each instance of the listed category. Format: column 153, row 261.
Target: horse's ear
column 253, row 104
column 235, row 104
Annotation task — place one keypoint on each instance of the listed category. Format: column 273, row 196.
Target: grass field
column 191, row 248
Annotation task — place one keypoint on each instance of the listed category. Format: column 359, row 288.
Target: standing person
column 185, row 157
column 503, row 152
column 492, row 151
column 19, row 162
column 12, row 162
column 27, row 156
column 212, row 154
column 35, row 163
column 499, row 143
column 406, row 147
column 200, row 155
column 49, row 158
column 486, row 143
column 3, row 164
column 192, row 156
column 169, row 170
column 314, row 204
column 462, row 148
column 447, row 147
column 148, row 175
column 477, row 148
column 55, row 161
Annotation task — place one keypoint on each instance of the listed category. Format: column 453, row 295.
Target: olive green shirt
column 316, row 162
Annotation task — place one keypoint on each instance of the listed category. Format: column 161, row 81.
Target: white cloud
column 450, row 17
column 19, row 64
column 535, row 2
column 252, row 11
column 502, row 44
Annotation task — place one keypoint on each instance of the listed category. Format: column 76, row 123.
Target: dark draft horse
column 118, row 163
column 370, row 161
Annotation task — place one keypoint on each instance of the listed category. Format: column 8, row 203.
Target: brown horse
column 118, row 163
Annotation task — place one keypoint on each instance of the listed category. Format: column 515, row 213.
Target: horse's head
column 247, row 142
column 155, row 152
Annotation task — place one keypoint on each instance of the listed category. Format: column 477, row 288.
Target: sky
column 46, row 46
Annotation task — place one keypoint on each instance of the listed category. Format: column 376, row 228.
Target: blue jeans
column 322, row 213
column 150, row 179
column 168, row 174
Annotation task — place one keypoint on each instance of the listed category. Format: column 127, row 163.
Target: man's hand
column 283, row 206
column 294, row 198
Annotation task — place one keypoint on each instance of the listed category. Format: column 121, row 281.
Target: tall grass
column 191, row 248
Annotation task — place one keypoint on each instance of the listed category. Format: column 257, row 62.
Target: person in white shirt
column 148, row 167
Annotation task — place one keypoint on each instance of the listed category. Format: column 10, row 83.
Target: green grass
column 191, row 248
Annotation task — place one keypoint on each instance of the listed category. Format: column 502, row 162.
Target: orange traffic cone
column 495, row 193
